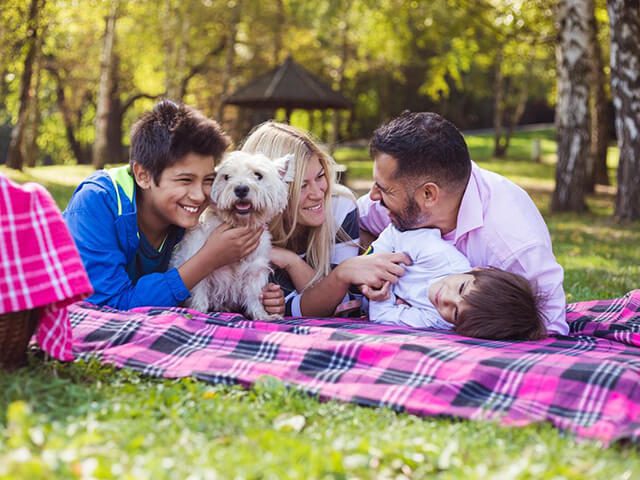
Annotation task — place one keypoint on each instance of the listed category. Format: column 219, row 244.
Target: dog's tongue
column 243, row 206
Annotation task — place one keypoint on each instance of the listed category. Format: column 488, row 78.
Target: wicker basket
column 16, row 330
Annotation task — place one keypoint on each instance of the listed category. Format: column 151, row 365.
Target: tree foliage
column 480, row 63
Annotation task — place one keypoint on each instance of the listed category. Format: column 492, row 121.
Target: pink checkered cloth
column 39, row 264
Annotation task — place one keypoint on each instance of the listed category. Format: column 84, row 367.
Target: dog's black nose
column 241, row 191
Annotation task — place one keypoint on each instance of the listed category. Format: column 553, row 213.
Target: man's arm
column 538, row 265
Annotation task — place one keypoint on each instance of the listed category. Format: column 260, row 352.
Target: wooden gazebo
column 289, row 86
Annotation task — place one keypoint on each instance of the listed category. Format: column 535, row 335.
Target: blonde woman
column 316, row 238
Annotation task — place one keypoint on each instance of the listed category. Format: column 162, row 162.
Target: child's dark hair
column 164, row 135
column 501, row 306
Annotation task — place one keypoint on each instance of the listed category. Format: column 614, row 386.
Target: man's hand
column 272, row 299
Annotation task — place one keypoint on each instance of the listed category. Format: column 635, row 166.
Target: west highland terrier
column 249, row 189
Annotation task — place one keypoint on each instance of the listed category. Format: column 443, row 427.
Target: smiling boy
column 127, row 220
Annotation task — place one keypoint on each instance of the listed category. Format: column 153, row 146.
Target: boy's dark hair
column 424, row 145
column 501, row 306
column 164, row 135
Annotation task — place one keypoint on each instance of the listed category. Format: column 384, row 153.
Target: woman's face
column 311, row 211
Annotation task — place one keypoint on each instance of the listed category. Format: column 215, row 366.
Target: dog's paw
column 274, row 316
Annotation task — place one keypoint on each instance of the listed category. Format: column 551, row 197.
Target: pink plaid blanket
column 587, row 383
column 39, row 264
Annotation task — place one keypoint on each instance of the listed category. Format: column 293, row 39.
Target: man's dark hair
column 164, row 135
column 501, row 306
column 425, row 145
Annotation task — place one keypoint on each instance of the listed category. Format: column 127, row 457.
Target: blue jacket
column 102, row 218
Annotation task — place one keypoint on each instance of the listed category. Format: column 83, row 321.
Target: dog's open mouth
column 243, row 207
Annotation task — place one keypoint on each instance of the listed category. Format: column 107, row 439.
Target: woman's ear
column 142, row 176
column 427, row 195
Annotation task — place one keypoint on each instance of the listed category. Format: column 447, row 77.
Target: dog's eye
column 258, row 175
column 226, row 177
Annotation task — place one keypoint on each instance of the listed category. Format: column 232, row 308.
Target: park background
column 547, row 93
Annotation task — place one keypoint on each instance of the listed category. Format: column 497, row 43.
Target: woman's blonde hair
column 276, row 140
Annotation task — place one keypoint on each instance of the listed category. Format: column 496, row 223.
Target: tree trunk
column 80, row 152
column 105, row 91
column 277, row 34
column 15, row 155
column 624, row 18
column 230, row 57
column 177, row 51
column 572, row 109
column 596, row 171
column 498, row 107
column 344, row 57
column 30, row 145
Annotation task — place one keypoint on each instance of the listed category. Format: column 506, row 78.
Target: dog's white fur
column 241, row 179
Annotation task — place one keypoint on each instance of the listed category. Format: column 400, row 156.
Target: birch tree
column 624, row 18
column 572, row 109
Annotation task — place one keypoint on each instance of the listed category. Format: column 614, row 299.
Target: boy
column 127, row 220
column 439, row 290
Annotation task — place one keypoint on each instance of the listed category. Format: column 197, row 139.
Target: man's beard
column 408, row 218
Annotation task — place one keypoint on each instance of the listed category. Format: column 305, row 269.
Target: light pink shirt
column 498, row 226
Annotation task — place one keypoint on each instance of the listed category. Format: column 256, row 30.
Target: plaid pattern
column 587, row 383
column 39, row 264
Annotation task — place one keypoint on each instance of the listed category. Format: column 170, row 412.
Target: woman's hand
column 377, row 295
column 281, row 257
column 272, row 299
column 298, row 270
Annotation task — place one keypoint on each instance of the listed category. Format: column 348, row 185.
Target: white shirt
column 432, row 258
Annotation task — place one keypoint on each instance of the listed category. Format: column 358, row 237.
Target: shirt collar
column 470, row 214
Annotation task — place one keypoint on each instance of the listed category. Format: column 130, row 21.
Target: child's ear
column 142, row 176
column 427, row 194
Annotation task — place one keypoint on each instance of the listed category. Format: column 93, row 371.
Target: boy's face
column 447, row 295
column 181, row 195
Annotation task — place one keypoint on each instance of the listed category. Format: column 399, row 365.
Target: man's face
column 396, row 194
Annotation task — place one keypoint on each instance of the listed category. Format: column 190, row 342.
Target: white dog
column 249, row 189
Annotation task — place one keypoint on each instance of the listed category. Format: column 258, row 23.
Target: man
column 423, row 177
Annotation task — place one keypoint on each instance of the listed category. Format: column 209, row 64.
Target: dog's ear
column 286, row 167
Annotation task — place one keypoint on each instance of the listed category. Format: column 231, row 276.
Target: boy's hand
column 232, row 244
column 273, row 299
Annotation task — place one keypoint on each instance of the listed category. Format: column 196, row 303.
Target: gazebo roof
column 288, row 86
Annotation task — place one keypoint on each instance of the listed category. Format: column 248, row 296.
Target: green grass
column 85, row 420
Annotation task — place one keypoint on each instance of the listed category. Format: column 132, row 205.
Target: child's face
column 182, row 192
column 447, row 295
